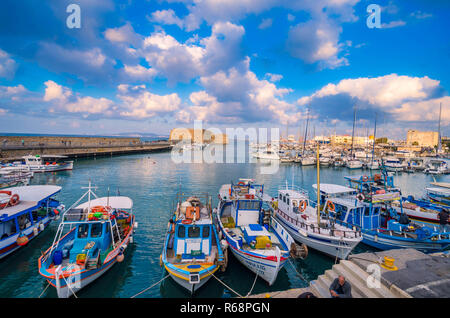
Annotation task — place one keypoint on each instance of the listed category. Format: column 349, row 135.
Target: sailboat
column 351, row 162
column 90, row 239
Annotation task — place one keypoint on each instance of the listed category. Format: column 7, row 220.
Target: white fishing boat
column 308, row 161
column 393, row 164
column 90, row 239
column 25, row 212
column 192, row 252
column 296, row 214
column 373, row 165
column 354, row 164
column 437, row 166
column 46, row 163
column 255, row 238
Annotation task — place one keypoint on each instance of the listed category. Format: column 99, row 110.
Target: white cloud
column 406, row 98
column 7, row 65
column 421, row 15
column 317, row 40
column 55, row 91
column 274, row 77
column 140, row 103
column 123, row 34
column 166, row 17
column 393, row 24
column 140, row 72
column 265, row 23
column 181, row 62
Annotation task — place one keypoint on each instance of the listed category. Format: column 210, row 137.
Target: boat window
column 83, row 230
column 287, row 201
column 7, row 228
column 96, row 230
column 367, row 211
column 205, row 232
column 181, row 232
column 248, row 205
column 281, row 197
column 194, row 231
column 284, row 199
column 23, row 220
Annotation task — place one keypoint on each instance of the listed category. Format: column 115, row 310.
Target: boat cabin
column 292, row 200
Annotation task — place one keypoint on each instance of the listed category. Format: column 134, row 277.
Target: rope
column 151, row 286
column 300, row 275
column 44, row 290
column 249, row 292
column 240, row 296
column 68, row 286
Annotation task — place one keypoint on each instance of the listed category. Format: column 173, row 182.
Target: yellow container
column 263, row 241
column 228, row 222
column 81, row 258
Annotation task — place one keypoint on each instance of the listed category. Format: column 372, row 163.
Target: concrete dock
column 417, row 275
column 14, row 147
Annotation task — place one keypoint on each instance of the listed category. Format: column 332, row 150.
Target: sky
column 151, row 65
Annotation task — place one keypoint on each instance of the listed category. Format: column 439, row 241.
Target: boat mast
column 353, row 131
column 439, row 130
column 306, row 132
column 318, row 184
column 373, row 146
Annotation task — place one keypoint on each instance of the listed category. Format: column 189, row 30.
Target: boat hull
column 9, row 245
column 329, row 246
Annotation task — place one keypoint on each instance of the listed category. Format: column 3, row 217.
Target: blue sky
column 149, row 66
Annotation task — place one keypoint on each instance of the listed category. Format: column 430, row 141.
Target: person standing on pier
column 340, row 288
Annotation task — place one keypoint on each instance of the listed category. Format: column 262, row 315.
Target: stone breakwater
column 14, row 147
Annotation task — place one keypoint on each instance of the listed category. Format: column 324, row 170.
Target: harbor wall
column 14, row 147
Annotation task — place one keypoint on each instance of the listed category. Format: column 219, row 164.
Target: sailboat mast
column 353, row 132
column 439, row 129
column 306, row 133
column 374, row 138
column 318, row 184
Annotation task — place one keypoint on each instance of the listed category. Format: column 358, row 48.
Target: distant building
column 422, row 138
column 197, row 136
column 347, row 140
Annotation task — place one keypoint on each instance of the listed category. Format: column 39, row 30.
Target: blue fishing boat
column 192, row 252
column 25, row 212
column 90, row 239
column 255, row 238
column 369, row 209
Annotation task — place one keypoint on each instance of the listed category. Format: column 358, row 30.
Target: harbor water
column 152, row 182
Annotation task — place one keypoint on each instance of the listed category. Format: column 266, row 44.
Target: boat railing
column 295, row 188
column 319, row 230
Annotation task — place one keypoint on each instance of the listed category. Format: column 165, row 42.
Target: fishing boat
column 369, row 209
column 25, row 212
column 266, row 154
column 46, row 163
column 354, row 164
column 298, row 216
column 437, row 166
column 90, row 239
column 255, row 238
column 192, row 251
column 419, row 209
column 393, row 164
column 439, row 195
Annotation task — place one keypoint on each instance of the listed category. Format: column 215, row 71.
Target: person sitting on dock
column 340, row 288
column 443, row 220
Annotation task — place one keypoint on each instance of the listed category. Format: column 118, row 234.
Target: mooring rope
column 227, row 286
column 300, row 275
column 44, row 290
column 251, row 289
column 151, row 286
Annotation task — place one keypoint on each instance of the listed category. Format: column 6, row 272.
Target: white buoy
column 135, row 225
column 41, row 227
column 35, row 231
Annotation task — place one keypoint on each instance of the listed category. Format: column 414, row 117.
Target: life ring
column 360, row 197
column 14, row 199
column 330, row 206
column 56, row 211
column 240, row 183
column 302, row 205
column 187, row 221
column 365, row 178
